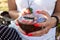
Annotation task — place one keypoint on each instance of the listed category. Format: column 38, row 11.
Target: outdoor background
column 4, row 7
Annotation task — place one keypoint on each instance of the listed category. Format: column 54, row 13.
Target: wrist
column 56, row 19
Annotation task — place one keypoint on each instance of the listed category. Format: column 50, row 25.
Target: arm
column 58, row 15
column 57, row 10
column 12, row 9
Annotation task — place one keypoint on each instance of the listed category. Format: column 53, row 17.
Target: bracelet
column 56, row 19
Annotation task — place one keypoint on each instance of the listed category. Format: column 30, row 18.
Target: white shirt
column 47, row 5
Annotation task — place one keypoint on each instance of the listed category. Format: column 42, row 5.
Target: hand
column 51, row 21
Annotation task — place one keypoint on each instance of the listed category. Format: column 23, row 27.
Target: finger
column 40, row 24
column 40, row 32
column 43, row 24
column 37, row 33
column 37, row 25
column 44, row 13
column 46, row 30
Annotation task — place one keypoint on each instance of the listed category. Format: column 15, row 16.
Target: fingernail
column 30, row 34
column 36, row 25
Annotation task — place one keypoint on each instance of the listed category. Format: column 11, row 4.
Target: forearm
column 14, row 14
column 57, row 14
column 13, row 9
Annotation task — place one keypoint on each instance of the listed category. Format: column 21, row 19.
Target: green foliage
column 58, row 30
column 31, row 10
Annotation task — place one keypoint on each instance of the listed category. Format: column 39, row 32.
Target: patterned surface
column 8, row 33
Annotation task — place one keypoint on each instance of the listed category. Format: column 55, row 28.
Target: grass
column 58, row 30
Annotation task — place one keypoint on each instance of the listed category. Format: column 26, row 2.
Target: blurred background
column 4, row 7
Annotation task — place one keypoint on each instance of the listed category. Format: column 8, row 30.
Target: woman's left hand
column 51, row 22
